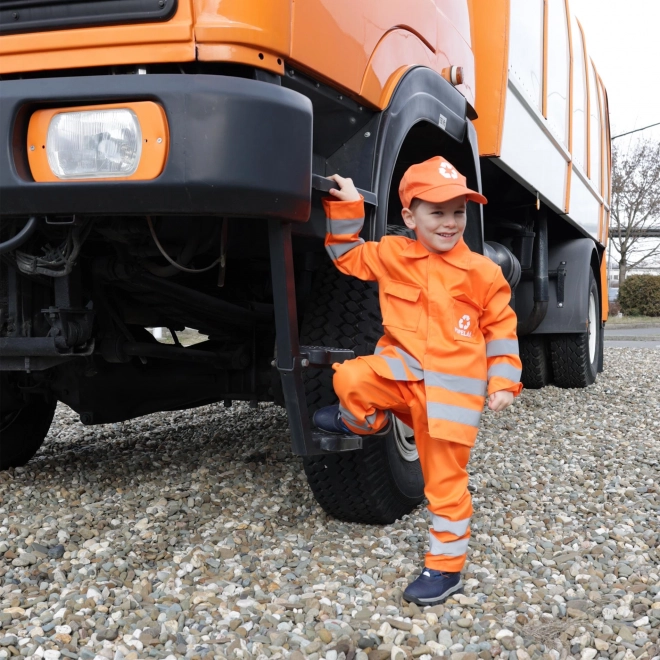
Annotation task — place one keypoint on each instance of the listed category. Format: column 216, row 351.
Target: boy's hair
column 414, row 203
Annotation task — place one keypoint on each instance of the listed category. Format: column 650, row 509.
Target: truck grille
column 37, row 15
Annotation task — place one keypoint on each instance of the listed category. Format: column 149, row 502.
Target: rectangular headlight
column 114, row 141
column 94, row 144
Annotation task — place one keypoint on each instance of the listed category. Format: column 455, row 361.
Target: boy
column 450, row 338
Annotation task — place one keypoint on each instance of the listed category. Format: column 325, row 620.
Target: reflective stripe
column 505, row 371
column 461, row 384
column 345, row 227
column 339, row 249
column 368, row 426
column 412, row 364
column 453, row 413
column 501, row 347
column 396, row 366
column 352, row 420
column 458, row 527
column 450, row 549
column 371, row 419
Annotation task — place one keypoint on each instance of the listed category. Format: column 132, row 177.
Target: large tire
column 536, row 368
column 23, row 426
column 383, row 481
column 575, row 357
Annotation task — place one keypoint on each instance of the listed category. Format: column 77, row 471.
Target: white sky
column 623, row 38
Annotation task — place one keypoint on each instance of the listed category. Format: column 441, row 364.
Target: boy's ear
column 408, row 218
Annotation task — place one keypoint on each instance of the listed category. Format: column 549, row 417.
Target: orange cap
column 435, row 180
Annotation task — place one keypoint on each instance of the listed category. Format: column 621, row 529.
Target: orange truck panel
column 144, row 43
column 365, row 48
column 490, row 30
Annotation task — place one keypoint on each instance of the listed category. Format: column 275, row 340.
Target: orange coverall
column 450, row 338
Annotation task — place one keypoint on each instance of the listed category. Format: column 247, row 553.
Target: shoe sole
column 436, row 600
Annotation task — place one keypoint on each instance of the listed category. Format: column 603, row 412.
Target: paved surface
column 639, row 337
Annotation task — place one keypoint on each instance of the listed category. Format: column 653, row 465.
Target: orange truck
column 163, row 163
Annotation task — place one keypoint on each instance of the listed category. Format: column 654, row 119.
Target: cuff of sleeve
column 498, row 384
column 335, row 209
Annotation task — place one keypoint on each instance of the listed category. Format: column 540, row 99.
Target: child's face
column 438, row 225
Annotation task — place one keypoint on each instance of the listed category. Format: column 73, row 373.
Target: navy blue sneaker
column 432, row 587
column 329, row 419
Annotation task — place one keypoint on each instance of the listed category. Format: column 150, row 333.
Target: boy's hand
column 498, row 401
column 347, row 191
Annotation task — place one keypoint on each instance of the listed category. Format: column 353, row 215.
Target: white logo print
column 447, row 170
column 464, row 322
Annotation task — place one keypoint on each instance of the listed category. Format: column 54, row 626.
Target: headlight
column 94, row 144
column 115, row 141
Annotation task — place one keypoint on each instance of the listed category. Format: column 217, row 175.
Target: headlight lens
column 94, row 144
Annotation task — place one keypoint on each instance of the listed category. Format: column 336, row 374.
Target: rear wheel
column 382, row 481
column 23, row 426
column 536, row 367
column 575, row 357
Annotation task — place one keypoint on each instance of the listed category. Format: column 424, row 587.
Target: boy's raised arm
column 498, row 324
column 345, row 218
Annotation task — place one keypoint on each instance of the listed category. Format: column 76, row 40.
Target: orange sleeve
column 498, row 324
column 350, row 253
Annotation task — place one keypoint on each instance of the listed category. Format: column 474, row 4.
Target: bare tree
column 635, row 212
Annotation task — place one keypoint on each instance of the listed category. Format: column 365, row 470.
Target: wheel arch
column 426, row 117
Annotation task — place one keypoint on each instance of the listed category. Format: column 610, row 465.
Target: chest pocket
column 465, row 319
column 402, row 308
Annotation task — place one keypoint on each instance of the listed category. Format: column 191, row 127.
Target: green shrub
column 639, row 295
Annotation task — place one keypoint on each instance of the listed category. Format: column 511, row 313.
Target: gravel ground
column 194, row 534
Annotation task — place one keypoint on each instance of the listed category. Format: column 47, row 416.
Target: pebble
column 193, row 534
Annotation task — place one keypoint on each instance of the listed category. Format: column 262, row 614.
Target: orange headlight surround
column 155, row 141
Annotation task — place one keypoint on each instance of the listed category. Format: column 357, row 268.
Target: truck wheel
column 575, row 357
column 536, row 369
column 23, row 427
column 382, row 481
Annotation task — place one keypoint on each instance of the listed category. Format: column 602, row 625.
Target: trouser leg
column 365, row 398
column 444, row 466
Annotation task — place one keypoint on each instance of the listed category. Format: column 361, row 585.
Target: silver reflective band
column 352, row 420
column 461, row 384
column 502, row 347
column 456, row 414
column 458, row 528
column 505, row 371
column 450, row 549
column 337, row 250
column 396, row 366
column 345, row 227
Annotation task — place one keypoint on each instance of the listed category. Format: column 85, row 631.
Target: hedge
column 639, row 295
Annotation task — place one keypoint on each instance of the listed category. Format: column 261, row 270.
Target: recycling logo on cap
column 448, row 170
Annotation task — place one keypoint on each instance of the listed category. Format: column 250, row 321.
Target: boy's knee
column 349, row 377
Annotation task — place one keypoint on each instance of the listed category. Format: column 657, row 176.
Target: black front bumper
column 238, row 147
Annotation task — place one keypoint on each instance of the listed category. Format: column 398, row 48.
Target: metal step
column 324, row 356
column 331, row 442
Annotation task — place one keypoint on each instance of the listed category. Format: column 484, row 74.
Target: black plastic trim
column 18, row 16
column 572, row 316
column 238, row 147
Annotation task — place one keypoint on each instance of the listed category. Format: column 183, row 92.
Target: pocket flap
column 402, row 290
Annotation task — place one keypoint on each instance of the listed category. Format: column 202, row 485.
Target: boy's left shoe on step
column 329, row 419
column 432, row 587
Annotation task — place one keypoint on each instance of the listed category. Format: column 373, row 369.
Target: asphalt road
column 624, row 337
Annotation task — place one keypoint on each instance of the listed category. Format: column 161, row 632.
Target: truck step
column 324, row 356
column 330, row 442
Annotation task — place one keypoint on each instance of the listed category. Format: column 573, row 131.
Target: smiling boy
column 450, row 339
